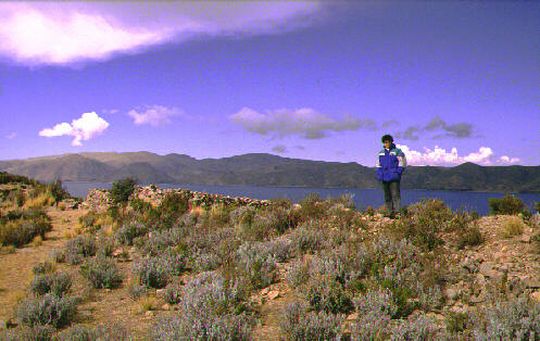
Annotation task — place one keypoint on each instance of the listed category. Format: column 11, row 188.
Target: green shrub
column 456, row 322
column 312, row 207
column 47, row 310
column 22, row 231
column 470, row 236
column 101, row 272
column 43, row 268
column 78, row 248
column 326, row 294
column 112, row 332
column 121, row 190
column 129, row 231
column 57, row 284
column 512, row 226
column 300, row 324
column 508, row 204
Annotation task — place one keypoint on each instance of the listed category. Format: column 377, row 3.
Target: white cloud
column 11, row 135
column 441, row 157
column 34, row 33
column 304, row 122
column 505, row 159
column 154, row 115
column 84, row 128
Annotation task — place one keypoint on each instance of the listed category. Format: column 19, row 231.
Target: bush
column 419, row 328
column 113, row 332
column 211, row 309
column 43, row 268
column 308, row 238
column 23, row 231
column 78, row 248
column 469, row 236
column 47, row 310
column 25, row 333
column 326, row 294
column 375, row 310
column 257, row 263
column 512, row 226
column 152, row 272
column 423, row 223
column 517, row 319
column 129, row 231
column 56, row 283
column 508, row 204
column 121, row 190
column 173, row 294
column 101, row 272
column 299, row 324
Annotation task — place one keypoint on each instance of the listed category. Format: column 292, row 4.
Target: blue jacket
column 390, row 164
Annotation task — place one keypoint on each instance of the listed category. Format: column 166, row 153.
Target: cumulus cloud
column 154, row 115
column 441, row 157
column 84, row 128
column 304, row 122
column 439, row 127
column 35, row 33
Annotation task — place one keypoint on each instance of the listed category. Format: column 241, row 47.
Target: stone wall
column 99, row 199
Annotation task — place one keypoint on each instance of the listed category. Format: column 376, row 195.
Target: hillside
column 266, row 170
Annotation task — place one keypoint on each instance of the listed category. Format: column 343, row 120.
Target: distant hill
column 266, row 170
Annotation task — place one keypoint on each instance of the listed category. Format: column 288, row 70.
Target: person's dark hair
column 387, row 138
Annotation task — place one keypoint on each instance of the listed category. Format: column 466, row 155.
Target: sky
column 453, row 81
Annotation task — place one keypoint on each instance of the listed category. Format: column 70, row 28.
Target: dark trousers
column 392, row 196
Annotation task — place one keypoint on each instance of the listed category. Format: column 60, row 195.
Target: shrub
column 47, row 310
column 25, row 333
column 122, row 189
column 136, row 290
column 508, row 204
column 418, row 328
column 88, row 222
column 307, row 238
column 106, row 246
column 23, row 231
column 152, row 272
column 129, row 231
column 58, row 255
column 112, row 332
column 258, row 264
column 299, row 324
column 211, row 308
column 375, row 311
column 101, row 272
column 423, row 223
column 326, row 294
column 456, row 322
column 56, row 283
column 312, row 207
column 470, row 236
column 173, row 294
column 537, row 207
column 78, row 248
column 516, row 319
column 43, row 268
column 512, row 226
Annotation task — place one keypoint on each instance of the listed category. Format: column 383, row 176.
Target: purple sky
column 452, row 81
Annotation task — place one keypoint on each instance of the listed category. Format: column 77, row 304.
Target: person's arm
column 379, row 169
column 402, row 162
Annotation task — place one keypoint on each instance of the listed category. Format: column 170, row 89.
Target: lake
column 471, row 201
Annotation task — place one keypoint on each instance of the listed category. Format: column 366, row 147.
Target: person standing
column 391, row 163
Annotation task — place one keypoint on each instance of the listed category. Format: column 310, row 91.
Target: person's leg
column 396, row 196
column 387, row 197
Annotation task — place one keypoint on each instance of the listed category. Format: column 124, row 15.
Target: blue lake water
column 471, row 201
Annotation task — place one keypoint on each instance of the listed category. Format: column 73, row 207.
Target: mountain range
column 266, row 170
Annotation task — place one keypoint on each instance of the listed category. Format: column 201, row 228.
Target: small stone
column 352, row 317
column 525, row 239
column 488, row 270
column 149, row 313
column 265, row 291
column 272, row 295
column 535, row 296
column 166, row 306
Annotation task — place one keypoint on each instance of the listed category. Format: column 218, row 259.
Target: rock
column 488, row 270
column 352, row 317
column 535, row 296
column 272, row 295
column 451, row 293
column 149, row 313
column 532, row 283
column 166, row 306
column 525, row 239
column 265, row 291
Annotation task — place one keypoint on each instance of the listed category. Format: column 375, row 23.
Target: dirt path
column 16, row 268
